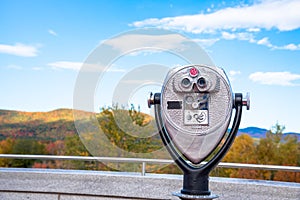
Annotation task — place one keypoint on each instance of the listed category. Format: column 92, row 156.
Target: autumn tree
column 277, row 149
column 6, row 148
column 288, row 155
column 56, row 148
column 242, row 151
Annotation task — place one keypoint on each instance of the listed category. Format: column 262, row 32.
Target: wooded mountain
column 52, row 125
column 57, row 124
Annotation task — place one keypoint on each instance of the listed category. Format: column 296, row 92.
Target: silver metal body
column 196, row 104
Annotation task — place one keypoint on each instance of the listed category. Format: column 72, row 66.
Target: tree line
column 275, row 149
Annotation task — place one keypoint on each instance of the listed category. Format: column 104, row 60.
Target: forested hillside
column 54, row 133
column 44, row 126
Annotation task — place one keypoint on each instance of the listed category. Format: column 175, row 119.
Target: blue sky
column 44, row 43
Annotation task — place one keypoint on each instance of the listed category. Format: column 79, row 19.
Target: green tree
column 74, row 147
column 268, row 148
column 26, row 146
column 129, row 130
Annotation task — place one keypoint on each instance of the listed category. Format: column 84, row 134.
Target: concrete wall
column 36, row 184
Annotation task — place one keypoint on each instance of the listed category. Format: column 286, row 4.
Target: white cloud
column 207, row 42
column 292, row 47
column 115, row 68
column 253, row 30
column 132, row 43
column 243, row 22
column 52, row 32
column 19, row 50
column 228, row 36
column 145, row 52
column 265, row 41
column 275, row 78
column 66, row 65
column 37, row 68
column 87, row 67
column 239, row 36
column 283, row 15
column 233, row 74
column 17, row 67
column 248, row 36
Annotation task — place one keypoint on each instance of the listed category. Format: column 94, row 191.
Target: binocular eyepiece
column 195, row 79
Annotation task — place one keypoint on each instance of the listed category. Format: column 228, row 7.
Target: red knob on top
column 194, row 72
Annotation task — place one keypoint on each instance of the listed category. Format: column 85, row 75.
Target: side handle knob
column 246, row 101
column 154, row 99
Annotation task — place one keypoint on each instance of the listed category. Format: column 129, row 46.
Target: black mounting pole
column 196, row 178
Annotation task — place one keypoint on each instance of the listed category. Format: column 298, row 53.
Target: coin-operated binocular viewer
column 193, row 112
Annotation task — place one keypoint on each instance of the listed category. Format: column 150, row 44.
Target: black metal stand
column 196, row 178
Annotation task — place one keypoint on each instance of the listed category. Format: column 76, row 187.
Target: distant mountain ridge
column 256, row 132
